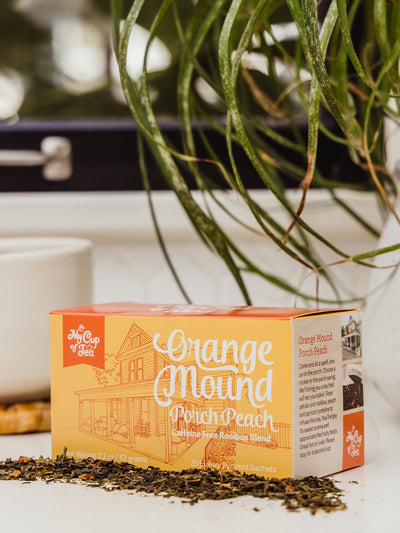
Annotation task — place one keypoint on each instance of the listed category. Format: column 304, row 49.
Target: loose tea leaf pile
column 191, row 486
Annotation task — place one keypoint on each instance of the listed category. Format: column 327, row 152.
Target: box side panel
column 56, row 350
column 180, row 392
column 327, row 394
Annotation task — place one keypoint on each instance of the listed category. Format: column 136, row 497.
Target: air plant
column 339, row 78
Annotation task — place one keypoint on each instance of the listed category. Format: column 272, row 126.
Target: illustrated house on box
column 127, row 413
column 351, row 338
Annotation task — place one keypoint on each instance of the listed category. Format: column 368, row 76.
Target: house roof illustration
column 136, row 341
column 354, row 327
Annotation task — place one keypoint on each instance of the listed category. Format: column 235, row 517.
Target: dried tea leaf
column 191, row 486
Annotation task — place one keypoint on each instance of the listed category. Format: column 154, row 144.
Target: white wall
column 128, row 263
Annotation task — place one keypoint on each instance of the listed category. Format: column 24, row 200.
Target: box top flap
column 158, row 310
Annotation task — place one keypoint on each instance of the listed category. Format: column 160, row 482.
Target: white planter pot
column 37, row 275
column 381, row 330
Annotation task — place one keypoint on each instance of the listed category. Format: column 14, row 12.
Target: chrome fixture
column 55, row 156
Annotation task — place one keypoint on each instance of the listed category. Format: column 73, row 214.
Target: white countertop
column 372, row 502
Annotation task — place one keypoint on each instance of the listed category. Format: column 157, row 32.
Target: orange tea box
column 276, row 392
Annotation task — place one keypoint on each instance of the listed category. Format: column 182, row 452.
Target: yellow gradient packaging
column 275, row 392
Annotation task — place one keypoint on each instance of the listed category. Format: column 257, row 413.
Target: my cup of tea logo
column 83, row 343
column 354, row 441
column 83, row 340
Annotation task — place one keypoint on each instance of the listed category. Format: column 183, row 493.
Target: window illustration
column 136, row 369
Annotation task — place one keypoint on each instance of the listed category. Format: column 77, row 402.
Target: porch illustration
column 126, row 412
column 122, row 409
column 131, row 419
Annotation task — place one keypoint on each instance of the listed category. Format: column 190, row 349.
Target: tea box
column 271, row 391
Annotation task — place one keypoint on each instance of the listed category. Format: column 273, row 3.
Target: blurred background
column 57, row 60
column 59, row 77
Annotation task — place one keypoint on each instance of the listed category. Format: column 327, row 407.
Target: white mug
column 37, row 275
